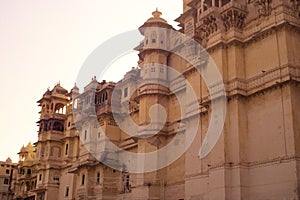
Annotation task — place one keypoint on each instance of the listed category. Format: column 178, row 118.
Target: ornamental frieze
column 263, row 7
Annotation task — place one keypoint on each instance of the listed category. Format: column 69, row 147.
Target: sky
column 46, row 42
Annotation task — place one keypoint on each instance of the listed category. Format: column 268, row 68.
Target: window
column 29, row 171
column 6, row 181
column 69, row 124
column 161, row 70
column 40, row 177
column 7, row 171
column 67, row 192
column 125, row 92
column 152, row 69
column 98, row 178
column 67, row 149
column 56, row 178
column 99, row 134
column 82, row 179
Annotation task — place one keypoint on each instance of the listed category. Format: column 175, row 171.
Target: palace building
column 255, row 45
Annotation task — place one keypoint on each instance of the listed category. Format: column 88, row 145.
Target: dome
column 156, row 21
column 156, row 18
column 59, row 89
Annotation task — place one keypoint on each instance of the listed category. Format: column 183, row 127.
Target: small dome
column 59, row 89
column 75, row 88
column 155, row 21
column 29, row 147
column 156, row 18
column 8, row 160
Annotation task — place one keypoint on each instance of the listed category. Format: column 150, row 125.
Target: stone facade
column 6, row 179
column 255, row 46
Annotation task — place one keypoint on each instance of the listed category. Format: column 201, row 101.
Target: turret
column 153, row 50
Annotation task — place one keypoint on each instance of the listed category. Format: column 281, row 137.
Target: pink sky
column 43, row 42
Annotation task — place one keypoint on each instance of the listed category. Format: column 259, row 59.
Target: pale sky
column 44, row 42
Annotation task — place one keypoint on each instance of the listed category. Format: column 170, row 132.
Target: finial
column 156, row 13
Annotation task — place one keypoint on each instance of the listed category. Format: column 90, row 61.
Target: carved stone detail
column 263, row 7
column 233, row 19
column 296, row 7
column 208, row 27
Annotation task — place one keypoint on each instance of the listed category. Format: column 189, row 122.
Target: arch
column 59, row 108
column 58, row 126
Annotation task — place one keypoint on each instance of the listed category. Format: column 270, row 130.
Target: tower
column 50, row 144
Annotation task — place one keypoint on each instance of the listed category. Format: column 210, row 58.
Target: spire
column 156, row 14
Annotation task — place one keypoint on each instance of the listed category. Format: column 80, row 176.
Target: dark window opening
column 67, row 191
column 67, row 149
column 6, row 181
column 40, row 177
column 98, row 178
column 82, row 179
column 29, row 171
column 58, row 126
column 7, row 171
